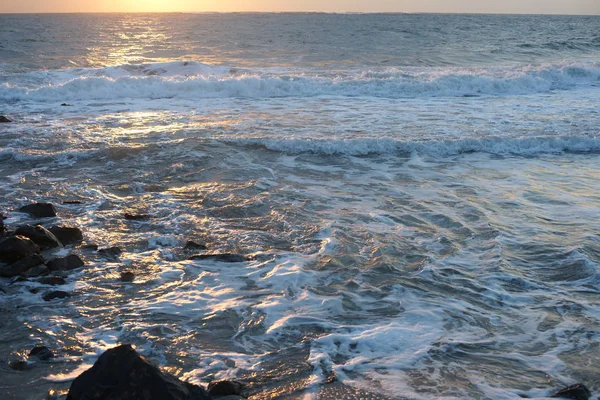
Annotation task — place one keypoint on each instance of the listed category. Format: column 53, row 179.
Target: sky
column 442, row 6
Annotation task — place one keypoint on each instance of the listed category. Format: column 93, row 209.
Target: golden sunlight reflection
column 129, row 40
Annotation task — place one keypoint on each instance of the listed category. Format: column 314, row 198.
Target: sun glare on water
column 153, row 5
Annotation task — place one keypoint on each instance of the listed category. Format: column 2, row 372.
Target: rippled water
column 418, row 195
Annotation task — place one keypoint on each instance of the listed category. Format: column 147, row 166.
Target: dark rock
column 52, row 280
column 225, row 388
column 91, row 246
column 41, row 352
column 121, row 373
column 39, row 235
column 71, row 202
column 127, row 276
column 136, row 217
column 577, row 391
column 15, row 248
column 225, row 257
column 38, row 270
column 57, row 294
column 65, row 263
column 67, row 234
column 4, row 119
column 19, row 365
column 39, row 210
column 110, row 253
column 65, row 105
column 190, row 245
column 23, row 266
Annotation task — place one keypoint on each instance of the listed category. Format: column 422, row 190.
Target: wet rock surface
column 191, row 245
column 577, row 391
column 57, row 294
column 67, row 234
column 52, row 280
column 14, row 248
column 41, row 353
column 39, row 235
column 39, row 210
column 223, row 257
column 136, row 217
column 65, row 263
column 121, row 373
column 3, row 119
column 127, row 276
column 23, row 266
column 225, row 388
column 110, row 253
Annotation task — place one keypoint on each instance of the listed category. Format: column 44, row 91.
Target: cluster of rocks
column 26, row 251
column 119, row 372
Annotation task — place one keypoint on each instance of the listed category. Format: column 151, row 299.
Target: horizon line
column 291, row 12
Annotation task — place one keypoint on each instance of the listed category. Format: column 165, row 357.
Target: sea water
column 418, row 196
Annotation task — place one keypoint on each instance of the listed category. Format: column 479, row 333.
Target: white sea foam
column 195, row 80
column 441, row 148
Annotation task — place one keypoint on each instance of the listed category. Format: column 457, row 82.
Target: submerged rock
column 136, row 217
column 225, row 388
column 39, row 210
column 15, row 248
column 39, row 235
column 4, row 119
column 127, row 276
column 577, row 391
column 224, row 257
column 67, row 234
column 19, row 365
column 41, row 352
column 190, row 245
column 57, row 294
column 52, row 280
column 37, row 270
column 65, row 263
column 121, row 373
column 24, row 267
column 110, row 253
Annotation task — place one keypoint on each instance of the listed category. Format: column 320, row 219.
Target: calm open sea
column 420, row 195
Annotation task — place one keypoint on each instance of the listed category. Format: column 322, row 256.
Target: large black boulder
column 577, row 391
column 39, row 210
column 65, row 263
column 31, row 265
column 39, row 235
column 67, row 234
column 15, row 248
column 122, row 374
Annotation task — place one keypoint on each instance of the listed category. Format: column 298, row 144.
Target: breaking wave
column 192, row 80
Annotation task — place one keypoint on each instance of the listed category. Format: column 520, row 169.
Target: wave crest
column 192, row 80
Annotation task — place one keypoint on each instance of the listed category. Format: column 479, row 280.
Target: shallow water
column 405, row 239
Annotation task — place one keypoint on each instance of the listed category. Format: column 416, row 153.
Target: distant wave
column 438, row 148
column 191, row 80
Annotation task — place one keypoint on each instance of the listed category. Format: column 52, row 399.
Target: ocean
column 417, row 195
